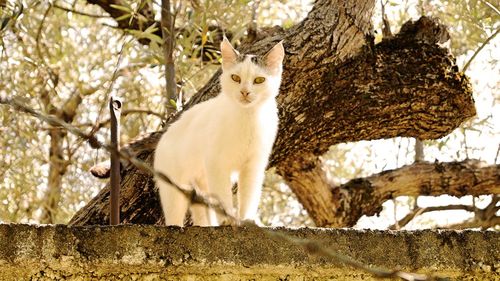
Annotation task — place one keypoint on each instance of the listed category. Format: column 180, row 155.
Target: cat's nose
column 244, row 93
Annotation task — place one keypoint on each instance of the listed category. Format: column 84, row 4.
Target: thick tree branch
column 365, row 196
column 306, row 176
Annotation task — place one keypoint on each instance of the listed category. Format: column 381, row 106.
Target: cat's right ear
column 229, row 54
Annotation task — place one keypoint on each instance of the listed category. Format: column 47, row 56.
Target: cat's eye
column 259, row 80
column 235, row 78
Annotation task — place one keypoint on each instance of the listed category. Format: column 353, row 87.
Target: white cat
column 229, row 136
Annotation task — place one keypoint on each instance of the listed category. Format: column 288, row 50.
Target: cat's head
column 248, row 79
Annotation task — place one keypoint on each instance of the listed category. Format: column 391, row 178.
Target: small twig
column 466, row 148
column 110, row 87
column 386, row 26
column 52, row 75
column 252, row 27
column 491, row 209
column 105, row 122
column 491, row 6
column 397, row 154
column 475, row 223
column 125, row 113
column 419, row 150
column 479, row 49
column 395, row 212
column 417, row 211
column 496, row 155
column 78, row 12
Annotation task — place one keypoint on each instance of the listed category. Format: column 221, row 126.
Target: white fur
column 220, row 138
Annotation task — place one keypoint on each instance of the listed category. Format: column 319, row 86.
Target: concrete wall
column 133, row 252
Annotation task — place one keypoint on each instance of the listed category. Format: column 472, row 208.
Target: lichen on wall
column 136, row 252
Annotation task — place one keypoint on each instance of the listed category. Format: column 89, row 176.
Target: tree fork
column 305, row 176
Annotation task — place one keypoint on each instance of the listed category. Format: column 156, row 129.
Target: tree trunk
column 337, row 87
column 57, row 169
column 58, row 159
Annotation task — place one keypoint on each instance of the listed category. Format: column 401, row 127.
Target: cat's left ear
column 229, row 54
column 274, row 58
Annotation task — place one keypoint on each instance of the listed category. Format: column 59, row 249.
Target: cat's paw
column 245, row 222
column 251, row 222
column 228, row 222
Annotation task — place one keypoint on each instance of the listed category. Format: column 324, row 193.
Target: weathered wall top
column 134, row 252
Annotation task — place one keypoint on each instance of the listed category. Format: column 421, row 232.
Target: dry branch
column 458, row 179
column 421, row 210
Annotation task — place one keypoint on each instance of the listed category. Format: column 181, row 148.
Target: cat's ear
column 274, row 58
column 229, row 54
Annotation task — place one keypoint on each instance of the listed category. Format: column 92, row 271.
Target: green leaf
column 151, row 29
column 122, row 17
column 153, row 37
column 173, row 103
column 121, row 8
column 5, row 22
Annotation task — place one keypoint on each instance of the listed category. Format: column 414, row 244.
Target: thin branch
column 496, row 155
column 419, row 150
column 491, row 6
column 79, row 12
column 386, row 26
column 123, row 114
column 316, row 248
column 419, row 210
column 168, row 32
column 476, row 223
column 480, row 48
column 252, row 27
column 110, row 87
column 52, row 75
column 143, row 111
column 490, row 211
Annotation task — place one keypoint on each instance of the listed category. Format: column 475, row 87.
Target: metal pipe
column 115, row 107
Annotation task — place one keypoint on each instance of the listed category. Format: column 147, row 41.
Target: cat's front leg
column 249, row 189
column 199, row 212
column 174, row 203
column 219, row 186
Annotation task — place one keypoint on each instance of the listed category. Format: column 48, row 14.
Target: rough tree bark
column 365, row 196
column 337, row 87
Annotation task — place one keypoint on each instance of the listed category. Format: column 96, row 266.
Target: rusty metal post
column 115, row 107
